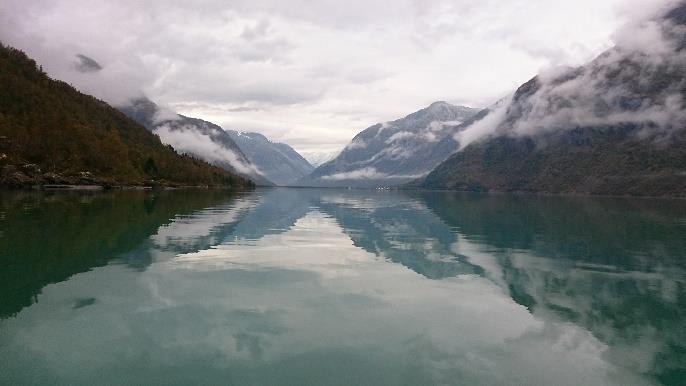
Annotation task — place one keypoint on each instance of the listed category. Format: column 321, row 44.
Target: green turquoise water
column 340, row 287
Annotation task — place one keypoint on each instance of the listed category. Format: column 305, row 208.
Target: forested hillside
column 52, row 134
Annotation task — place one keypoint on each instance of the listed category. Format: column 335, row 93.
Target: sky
column 310, row 73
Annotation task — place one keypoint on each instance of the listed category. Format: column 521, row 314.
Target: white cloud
column 360, row 174
column 356, row 143
column 368, row 173
column 189, row 141
column 485, row 126
column 399, row 136
column 165, row 114
column 311, row 76
column 621, row 86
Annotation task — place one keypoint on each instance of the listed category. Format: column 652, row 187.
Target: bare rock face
column 13, row 177
column 32, row 170
column 57, row 179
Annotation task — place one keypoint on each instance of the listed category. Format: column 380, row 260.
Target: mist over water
column 323, row 286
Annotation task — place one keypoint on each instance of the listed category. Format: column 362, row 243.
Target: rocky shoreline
column 30, row 176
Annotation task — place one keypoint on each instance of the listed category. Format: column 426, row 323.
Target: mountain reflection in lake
column 307, row 286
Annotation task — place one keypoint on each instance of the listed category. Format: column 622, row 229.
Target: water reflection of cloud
column 338, row 287
column 187, row 229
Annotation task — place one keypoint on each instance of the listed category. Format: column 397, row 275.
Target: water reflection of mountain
column 387, row 224
column 278, row 210
column 614, row 267
column 249, row 217
column 611, row 267
column 46, row 238
column 621, row 232
column 399, row 228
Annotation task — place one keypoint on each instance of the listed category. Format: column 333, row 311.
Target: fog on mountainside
column 614, row 126
column 52, row 134
column 193, row 136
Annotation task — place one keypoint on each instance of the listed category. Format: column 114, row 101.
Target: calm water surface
column 329, row 287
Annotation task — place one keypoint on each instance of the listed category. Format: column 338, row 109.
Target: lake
column 340, row 287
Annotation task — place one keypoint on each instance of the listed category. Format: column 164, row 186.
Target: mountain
column 187, row 135
column 194, row 136
column 616, row 126
column 249, row 154
column 319, row 158
column 395, row 152
column 278, row 162
column 52, row 134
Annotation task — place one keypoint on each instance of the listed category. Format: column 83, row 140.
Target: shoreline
column 103, row 188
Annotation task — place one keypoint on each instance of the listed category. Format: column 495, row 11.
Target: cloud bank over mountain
column 615, row 126
column 310, row 74
column 190, row 141
column 631, row 83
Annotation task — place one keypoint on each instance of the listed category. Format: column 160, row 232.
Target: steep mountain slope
column 51, row 133
column 395, row 152
column 194, row 136
column 616, row 126
column 278, row 162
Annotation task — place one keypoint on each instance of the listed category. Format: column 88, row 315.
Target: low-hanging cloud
column 638, row 82
column 356, row 143
column 190, row 141
column 165, row 114
column 369, row 173
column 486, row 126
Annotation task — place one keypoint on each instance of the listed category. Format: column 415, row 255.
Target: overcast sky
column 310, row 73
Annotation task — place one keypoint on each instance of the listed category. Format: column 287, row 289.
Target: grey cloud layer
column 308, row 73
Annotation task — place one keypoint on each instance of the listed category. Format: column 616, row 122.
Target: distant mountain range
column 318, row 158
column 616, row 126
column 52, row 134
column 395, row 152
column 278, row 162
